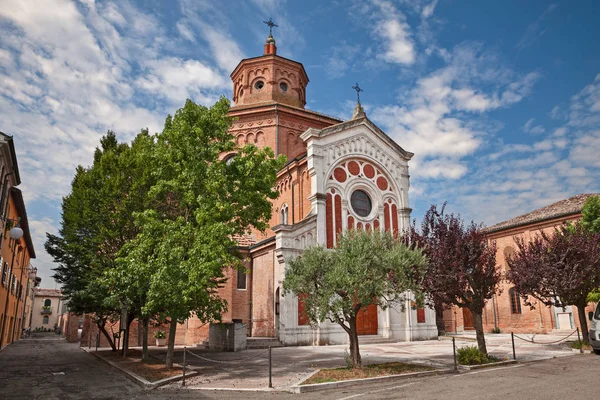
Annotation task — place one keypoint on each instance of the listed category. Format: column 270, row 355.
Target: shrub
column 160, row 335
column 471, row 355
column 496, row 330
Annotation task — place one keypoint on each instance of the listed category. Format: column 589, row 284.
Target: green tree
column 96, row 222
column 365, row 268
column 197, row 205
column 590, row 220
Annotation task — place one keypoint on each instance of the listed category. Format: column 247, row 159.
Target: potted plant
column 161, row 338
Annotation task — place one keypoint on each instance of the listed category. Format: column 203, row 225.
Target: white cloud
column 391, row 30
column 431, row 120
column 340, row 58
column 534, row 130
column 536, row 29
column 518, row 178
column 71, row 71
column 185, row 31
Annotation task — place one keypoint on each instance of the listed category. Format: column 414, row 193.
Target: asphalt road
column 49, row 368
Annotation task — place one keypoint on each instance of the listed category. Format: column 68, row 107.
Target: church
column 339, row 175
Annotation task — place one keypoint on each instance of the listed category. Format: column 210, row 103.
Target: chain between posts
column 185, row 350
column 547, row 343
column 227, row 361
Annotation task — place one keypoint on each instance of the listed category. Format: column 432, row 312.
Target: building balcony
column 46, row 311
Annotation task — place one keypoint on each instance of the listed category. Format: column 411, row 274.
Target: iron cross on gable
column 358, row 90
column 271, row 25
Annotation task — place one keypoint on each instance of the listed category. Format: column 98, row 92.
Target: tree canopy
column 150, row 226
column 462, row 264
column 365, row 268
column 558, row 269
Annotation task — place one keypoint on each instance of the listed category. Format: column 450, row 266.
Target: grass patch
column 578, row 345
column 367, row 371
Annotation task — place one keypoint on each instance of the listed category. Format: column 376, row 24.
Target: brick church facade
column 340, row 175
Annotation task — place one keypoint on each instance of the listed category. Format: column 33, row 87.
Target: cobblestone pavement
column 46, row 367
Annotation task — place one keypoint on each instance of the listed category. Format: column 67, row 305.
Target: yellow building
column 16, row 247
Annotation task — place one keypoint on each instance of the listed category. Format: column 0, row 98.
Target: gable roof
column 351, row 124
column 562, row 208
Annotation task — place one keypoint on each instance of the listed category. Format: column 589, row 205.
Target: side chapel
column 340, row 175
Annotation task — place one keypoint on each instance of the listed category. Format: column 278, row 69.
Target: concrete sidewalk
column 249, row 369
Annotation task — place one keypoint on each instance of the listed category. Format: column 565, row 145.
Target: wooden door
column 468, row 321
column 366, row 320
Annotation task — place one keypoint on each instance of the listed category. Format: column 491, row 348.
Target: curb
column 341, row 384
column 144, row 383
column 488, row 365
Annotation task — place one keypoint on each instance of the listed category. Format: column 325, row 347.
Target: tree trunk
column 107, row 335
column 439, row 318
column 125, row 334
column 145, row 339
column 354, row 351
column 583, row 321
column 171, row 342
column 478, row 322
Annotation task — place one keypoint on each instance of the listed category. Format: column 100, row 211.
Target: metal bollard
column 270, row 369
column 579, row 340
column 184, row 351
column 454, row 353
column 512, row 337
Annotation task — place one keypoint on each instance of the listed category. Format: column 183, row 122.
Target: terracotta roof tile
column 572, row 205
column 48, row 292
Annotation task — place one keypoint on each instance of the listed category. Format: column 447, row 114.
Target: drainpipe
column 494, row 308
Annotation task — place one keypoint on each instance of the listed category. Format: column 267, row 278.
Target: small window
column 283, row 86
column 283, row 215
column 45, row 320
column 361, row 203
column 515, row 301
column 47, row 303
column 259, row 85
column 241, row 279
column 420, row 315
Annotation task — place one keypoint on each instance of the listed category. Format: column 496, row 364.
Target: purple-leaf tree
column 558, row 269
column 462, row 265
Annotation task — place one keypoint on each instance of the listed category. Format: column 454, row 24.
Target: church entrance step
column 262, row 342
column 374, row 339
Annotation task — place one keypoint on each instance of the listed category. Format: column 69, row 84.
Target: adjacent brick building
column 17, row 276
column 506, row 309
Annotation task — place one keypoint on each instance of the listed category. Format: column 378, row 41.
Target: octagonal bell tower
column 269, row 78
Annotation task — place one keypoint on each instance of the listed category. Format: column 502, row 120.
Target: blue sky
column 500, row 101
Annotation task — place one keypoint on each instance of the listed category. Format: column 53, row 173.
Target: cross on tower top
column 358, row 90
column 271, row 25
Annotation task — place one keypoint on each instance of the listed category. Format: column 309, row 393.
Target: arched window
column 283, row 219
column 515, row 301
column 45, row 320
column 47, row 303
